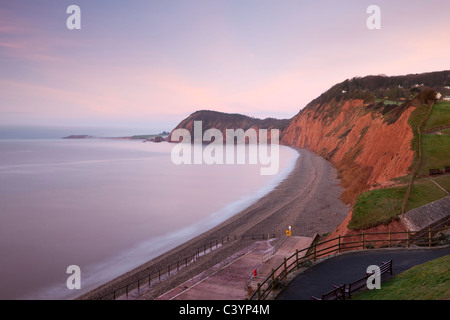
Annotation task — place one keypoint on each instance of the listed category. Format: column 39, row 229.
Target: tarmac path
column 352, row 266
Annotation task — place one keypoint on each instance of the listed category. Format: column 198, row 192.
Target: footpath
column 350, row 266
column 237, row 277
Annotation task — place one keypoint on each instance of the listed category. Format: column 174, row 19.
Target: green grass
column 414, row 120
column 445, row 131
column 439, row 116
column 144, row 136
column 402, row 179
column 443, row 181
column 381, row 206
column 389, row 102
column 423, row 192
column 435, row 152
column 376, row 207
column 428, row 281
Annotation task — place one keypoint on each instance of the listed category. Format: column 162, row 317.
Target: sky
column 148, row 64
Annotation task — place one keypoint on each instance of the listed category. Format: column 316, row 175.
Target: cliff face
column 368, row 143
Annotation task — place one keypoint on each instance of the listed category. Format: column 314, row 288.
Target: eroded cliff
column 369, row 144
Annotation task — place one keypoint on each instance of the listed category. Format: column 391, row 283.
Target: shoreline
column 308, row 200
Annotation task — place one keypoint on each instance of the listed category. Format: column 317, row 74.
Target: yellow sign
column 288, row 233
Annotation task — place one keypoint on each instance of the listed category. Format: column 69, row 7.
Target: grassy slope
column 435, row 152
column 443, row 181
column 376, row 207
column 423, row 191
column 440, row 115
column 428, row 281
column 381, row 206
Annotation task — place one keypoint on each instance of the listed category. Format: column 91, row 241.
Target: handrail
column 155, row 277
column 312, row 254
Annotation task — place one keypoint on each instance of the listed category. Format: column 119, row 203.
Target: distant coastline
column 160, row 137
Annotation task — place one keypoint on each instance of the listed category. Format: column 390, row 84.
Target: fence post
column 429, row 237
column 363, row 241
column 408, row 238
column 273, row 278
column 339, row 245
column 390, row 238
column 296, row 257
column 259, row 290
column 285, row 268
column 315, row 252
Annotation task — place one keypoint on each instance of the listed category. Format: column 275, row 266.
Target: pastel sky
column 151, row 63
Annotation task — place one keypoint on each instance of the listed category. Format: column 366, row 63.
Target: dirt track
column 308, row 200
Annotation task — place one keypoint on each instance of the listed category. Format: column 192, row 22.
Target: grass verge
column 423, row 192
column 439, row 116
column 376, row 207
column 443, row 181
column 435, row 152
column 428, row 281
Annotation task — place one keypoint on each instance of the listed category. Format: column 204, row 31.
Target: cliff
column 369, row 144
column 361, row 125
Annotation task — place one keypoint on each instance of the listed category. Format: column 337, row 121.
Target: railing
column 339, row 244
column 149, row 278
column 274, row 249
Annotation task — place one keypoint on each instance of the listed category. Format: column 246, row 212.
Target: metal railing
column 148, row 277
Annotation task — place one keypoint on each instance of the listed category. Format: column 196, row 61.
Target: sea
column 108, row 206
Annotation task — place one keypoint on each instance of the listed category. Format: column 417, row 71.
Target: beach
column 308, row 201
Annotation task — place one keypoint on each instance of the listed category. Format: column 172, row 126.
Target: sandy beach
column 308, row 200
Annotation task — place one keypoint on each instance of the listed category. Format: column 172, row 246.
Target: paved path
column 233, row 278
column 351, row 266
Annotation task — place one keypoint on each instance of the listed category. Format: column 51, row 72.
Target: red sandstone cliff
column 369, row 143
column 366, row 143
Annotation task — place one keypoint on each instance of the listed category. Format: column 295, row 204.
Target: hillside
column 367, row 128
column 223, row 121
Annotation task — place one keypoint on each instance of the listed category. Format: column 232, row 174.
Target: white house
column 447, row 98
column 438, row 96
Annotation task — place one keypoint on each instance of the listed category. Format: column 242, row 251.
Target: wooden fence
column 326, row 248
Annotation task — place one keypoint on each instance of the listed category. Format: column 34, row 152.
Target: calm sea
column 107, row 206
